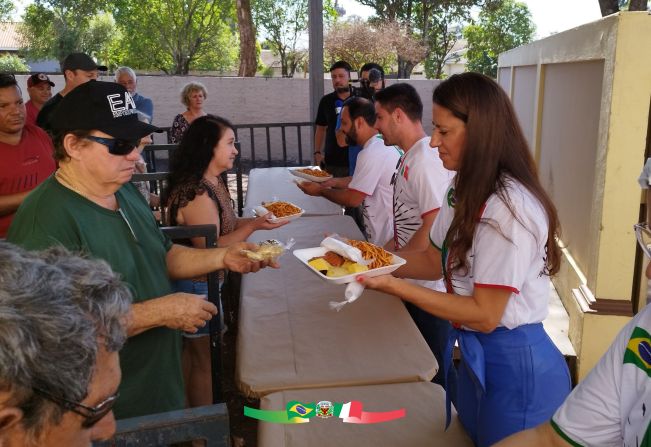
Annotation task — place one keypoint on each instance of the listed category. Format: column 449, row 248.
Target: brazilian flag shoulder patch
column 638, row 350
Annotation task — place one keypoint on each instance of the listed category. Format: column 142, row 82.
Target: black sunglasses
column 91, row 415
column 115, row 146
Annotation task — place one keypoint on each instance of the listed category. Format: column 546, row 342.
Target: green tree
column 6, row 10
column 283, row 23
column 496, row 31
column 11, row 63
column 56, row 28
column 429, row 22
column 176, row 35
column 446, row 22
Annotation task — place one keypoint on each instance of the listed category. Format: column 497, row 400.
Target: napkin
column 353, row 291
column 262, row 211
column 345, row 250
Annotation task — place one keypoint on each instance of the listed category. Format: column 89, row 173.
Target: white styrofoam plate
column 305, row 254
column 312, row 178
column 284, row 218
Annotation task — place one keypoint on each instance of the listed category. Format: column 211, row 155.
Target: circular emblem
column 42, row 77
column 324, row 409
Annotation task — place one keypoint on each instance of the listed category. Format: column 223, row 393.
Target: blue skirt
column 508, row 381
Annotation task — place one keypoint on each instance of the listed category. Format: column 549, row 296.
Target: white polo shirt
column 507, row 253
column 612, row 405
column 376, row 164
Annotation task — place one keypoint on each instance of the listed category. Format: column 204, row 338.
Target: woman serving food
column 494, row 243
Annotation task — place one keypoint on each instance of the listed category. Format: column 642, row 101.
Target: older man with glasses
column 89, row 205
column 63, row 321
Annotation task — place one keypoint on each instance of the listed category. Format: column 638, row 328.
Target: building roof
column 9, row 38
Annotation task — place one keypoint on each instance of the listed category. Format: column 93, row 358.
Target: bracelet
column 317, row 152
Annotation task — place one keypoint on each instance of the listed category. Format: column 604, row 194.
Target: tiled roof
column 9, row 38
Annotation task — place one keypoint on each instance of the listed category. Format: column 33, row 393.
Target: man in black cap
column 39, row 88
column 90, row 206
column 78, row 68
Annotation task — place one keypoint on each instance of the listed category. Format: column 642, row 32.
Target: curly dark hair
column 190, row 160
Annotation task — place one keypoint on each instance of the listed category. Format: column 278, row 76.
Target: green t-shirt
column 130, row 241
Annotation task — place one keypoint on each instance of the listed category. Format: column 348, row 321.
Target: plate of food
column 337, row 268
column 312, row 173
column 280, row 211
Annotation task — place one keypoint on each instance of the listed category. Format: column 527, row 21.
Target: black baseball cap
column 104, row 106
column 81, row 61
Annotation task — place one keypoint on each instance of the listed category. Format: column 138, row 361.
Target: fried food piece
column 334, row 259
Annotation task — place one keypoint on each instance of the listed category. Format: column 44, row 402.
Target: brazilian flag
column 297, row 409
column 638, row 350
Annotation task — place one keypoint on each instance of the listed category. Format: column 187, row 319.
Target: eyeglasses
column 91, row 415
column 643, row 235
column 115, row 146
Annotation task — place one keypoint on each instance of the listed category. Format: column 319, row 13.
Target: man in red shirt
column 39, row 88
column 25, row 151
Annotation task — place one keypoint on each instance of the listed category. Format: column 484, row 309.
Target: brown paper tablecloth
column 289, row 338
column 267, row 183
column 423, row 425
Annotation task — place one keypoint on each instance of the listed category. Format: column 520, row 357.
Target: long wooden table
column 289, row 338
column 268, row 184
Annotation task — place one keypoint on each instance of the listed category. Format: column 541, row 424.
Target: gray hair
column 190, row 87
column 56, row 308
column 127, row 70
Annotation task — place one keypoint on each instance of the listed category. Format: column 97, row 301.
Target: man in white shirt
column 370, row 185
column 421, row 180
column 419, row 186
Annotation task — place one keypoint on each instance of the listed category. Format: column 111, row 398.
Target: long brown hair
column 495, row 149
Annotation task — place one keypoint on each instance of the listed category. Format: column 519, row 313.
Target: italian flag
column 352, row 413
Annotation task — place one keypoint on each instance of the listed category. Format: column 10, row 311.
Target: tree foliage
column 10, row 63
column 177, row 35
column 446, row 23
column 283, row 23
column 496, row 31
column 432, row 22
column 357, row 43
column 6, row 10
column 56, row 28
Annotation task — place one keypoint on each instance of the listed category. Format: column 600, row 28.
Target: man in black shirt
column 335, row 158
column 78, row 68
